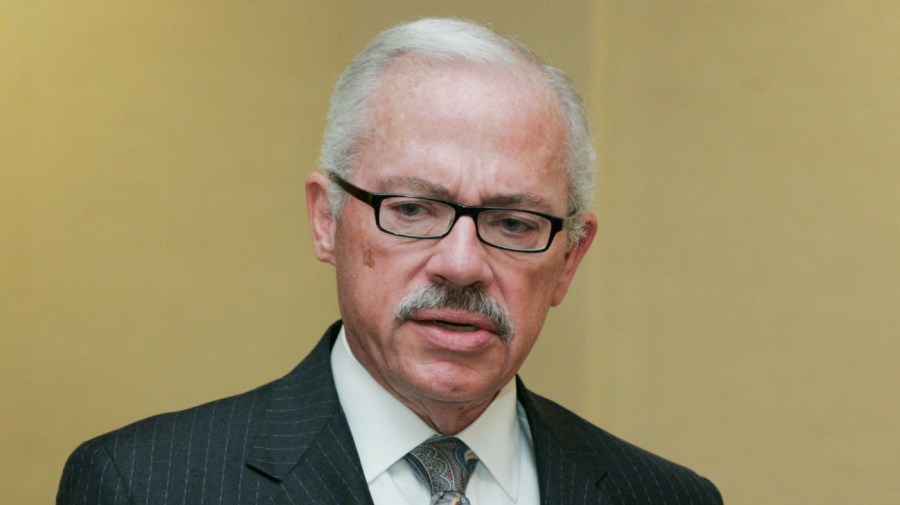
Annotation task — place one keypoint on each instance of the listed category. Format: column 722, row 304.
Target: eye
column 512, row 223
column 411, row 208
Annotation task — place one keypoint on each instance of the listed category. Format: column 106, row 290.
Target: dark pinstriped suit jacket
column 289, row 442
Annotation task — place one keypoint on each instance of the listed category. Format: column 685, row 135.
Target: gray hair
column 441, row 41
column 469, row 299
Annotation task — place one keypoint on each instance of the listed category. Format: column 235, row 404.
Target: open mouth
column 461, row 310
column 456, row 327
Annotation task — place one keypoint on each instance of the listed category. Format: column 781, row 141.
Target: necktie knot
column 445, row 464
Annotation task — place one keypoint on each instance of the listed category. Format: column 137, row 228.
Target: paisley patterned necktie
column 445, row 464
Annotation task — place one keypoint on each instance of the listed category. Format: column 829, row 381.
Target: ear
column 574, row 257
column 321, row 222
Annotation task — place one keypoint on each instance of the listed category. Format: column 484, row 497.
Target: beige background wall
column 737, row 314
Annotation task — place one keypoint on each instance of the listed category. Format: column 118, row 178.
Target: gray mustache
column 469, row 299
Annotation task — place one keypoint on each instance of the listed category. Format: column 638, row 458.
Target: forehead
column 467, row 127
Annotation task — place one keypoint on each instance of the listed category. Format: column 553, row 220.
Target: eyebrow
column 421, row 187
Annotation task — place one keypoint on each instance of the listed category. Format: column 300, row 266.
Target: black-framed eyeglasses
column 430, row 218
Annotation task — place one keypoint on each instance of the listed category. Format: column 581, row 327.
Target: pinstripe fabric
column 288, row 443
column 580, row 463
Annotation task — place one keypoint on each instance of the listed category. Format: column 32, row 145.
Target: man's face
column 477, row 137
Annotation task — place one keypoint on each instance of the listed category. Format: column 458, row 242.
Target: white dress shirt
column 384, row 430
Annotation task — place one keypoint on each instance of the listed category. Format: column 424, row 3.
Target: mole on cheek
column 367, row 259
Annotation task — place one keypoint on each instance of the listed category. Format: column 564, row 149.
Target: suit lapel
column 329, row 473
column 303, row 443
column 569, row 470
column 305, row 448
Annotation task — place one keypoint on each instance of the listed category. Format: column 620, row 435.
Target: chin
column 456, row 387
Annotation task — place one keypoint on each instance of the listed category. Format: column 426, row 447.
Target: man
column 457, row 174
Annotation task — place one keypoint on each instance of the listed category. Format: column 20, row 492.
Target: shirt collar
column 384, row 429
column 494, row 437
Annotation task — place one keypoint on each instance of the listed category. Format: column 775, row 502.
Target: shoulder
column 200, row 451
column 231, row 415
column 116, row 466
column 627, row 469
column 223, row 421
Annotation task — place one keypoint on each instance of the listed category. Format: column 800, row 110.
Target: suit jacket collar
column 303, row 442
column 570, row 469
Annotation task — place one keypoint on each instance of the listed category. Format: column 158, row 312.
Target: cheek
column 369, row 258
column 354, row 242
column 354, row 264
column 530, row 291
column 369, row 269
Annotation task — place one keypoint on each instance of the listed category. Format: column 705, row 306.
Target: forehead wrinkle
column 414, row 186
column 421, row 187
column 520, row 200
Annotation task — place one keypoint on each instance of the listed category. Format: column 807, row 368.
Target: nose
column 460, row 259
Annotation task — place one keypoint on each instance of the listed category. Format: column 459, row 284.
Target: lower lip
column 455, row 341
